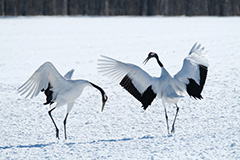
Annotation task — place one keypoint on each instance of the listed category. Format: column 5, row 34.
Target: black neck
column 159, row 62
column 100, row 89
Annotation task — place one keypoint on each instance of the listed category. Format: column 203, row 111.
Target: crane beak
column 104, row 102
column 103, row 106
column 146, row 60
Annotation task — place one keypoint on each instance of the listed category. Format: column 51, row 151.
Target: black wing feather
column 193, row 89
column 48, row 94
column 146, row 98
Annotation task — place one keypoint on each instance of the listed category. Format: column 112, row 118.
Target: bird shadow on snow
column 122, row 139
column 29, row 146
column 71, row 143
column 112, row 140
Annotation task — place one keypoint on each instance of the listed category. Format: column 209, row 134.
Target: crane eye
column 152, row 53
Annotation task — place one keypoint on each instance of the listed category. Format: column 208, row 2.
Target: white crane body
column 58, row 89
column 189, row 80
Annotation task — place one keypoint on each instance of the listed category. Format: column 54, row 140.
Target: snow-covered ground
column 206, row 129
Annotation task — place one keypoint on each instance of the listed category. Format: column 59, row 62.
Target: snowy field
column 206, row 129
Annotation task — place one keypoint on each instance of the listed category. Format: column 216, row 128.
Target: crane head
column 150, row 55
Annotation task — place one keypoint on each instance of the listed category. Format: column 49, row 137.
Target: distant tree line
column 120, row 7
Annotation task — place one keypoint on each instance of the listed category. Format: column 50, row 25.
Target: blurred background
column 120, row 7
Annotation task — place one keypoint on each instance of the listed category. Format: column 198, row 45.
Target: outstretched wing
column 131, row 77
column 45, row 78
column 69, row 74
column 194, row 72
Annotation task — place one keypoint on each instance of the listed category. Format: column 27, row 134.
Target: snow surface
column 206, row 129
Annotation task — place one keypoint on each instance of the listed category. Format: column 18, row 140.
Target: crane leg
column 166, row 117
column 57, row 131
column 173, row 129
column 64, row 122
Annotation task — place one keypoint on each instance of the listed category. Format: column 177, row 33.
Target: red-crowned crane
column 57, row 88
column 189, row 80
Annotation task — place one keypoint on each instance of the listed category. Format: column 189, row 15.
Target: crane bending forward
column 189, row 80
column 57, row 88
